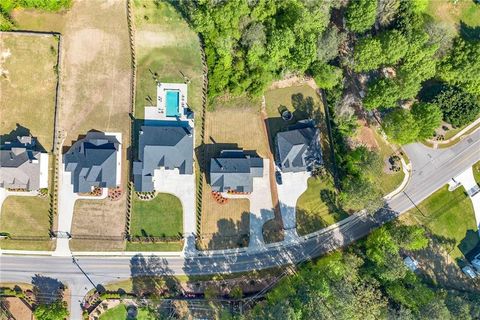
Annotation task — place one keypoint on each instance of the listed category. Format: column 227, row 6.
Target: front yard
column 26, row 217
column 449, row 215
column 318, row 207
column 159, row 217
column 99, row 225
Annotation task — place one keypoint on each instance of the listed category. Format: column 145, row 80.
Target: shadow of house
column 21, row 131
column 231, row 234
column 470, row 244
column 47, row 290
column 152, row 277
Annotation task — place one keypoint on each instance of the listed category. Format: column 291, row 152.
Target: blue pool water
column 173, row 103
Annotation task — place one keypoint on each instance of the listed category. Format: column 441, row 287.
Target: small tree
column 326, row 76
column 236, row 292
column 210, row 292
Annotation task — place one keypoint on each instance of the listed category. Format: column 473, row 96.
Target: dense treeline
column 367, row 281
column 250, row 43
column 6, row 7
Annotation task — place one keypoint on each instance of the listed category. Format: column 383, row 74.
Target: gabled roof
column 20, row 164
column 93, row 162
column 234, row 170
column 166, row 146
column 298, row 149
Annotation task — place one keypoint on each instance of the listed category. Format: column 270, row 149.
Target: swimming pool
column 173, row 103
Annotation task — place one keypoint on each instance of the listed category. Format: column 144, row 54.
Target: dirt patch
column 98, row 225
column 366, row 136
column 293, row 81
column 153, row 39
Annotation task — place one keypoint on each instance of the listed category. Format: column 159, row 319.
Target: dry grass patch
column 26, row 217
column 225, row 225
column 98, row 219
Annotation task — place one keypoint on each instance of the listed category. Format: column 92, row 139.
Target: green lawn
column 120, row 313
column 166, row 47
column 317, row 207
column 476, row 172
column 26, row 217
column 162, row 216
column 387, row 181
column 158, row 246
column 449, row 215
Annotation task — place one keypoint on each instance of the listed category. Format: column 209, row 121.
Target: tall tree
column 428, row 117
column 361, row 15
column 400, row 126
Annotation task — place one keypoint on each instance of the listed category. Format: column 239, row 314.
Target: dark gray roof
column 166, row 146
column 234, row 170
column 20, row 164
column 298, row 149
column 93, row 162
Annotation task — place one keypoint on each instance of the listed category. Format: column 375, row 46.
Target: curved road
column 432, row 168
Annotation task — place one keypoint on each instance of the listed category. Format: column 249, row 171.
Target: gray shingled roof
column 298, row 149
column 20, row 164
column 93, row 162
column 233, row 170
column 169, row 147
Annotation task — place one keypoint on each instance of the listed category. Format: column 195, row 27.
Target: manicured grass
column 27, row 86
column 166, row 47
column 161, row 216
column 476, row 171
column 387, row 181
column 117, row 313
column 158, row 246
column 449, row 215
column 317, row 207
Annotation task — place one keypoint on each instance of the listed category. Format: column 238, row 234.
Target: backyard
column 459, row 16
column 448, row 215
column 167, row 51
column 26, row 217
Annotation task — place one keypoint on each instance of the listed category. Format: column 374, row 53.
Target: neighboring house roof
column 93, row 162
column 170, row 147
column 234, row 170
column 298, row 149
column 20, row 164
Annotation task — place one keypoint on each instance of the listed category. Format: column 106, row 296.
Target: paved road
column 431, row 170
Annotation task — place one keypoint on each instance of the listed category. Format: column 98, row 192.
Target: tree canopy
column 428, row 117
column 361, row 15
column 458, row 106
column 53, row 311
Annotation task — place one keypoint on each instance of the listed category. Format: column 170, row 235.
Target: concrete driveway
column 183, row 187
column 261, row 206
column 294, row 184
column 467, row 179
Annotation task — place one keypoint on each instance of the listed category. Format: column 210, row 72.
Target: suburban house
column 22, row 166
column 94, row 162
column 234, row 171
column 298, row 149
column 162, row 145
